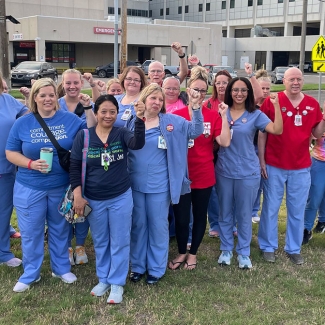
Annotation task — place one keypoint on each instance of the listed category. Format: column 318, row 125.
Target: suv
column 308, row 66
column 107, row 70
column 25, row 71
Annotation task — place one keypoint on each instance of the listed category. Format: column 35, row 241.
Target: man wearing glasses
column 285, row 160
column 156, row 71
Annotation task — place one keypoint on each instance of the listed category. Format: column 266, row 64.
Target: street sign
column 318, row 55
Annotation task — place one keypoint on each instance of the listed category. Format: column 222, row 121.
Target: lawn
column 280, row 293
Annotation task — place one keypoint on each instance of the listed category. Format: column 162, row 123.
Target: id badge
column 231, row 133
column 162, row 143
column 125, row 116
column 190, row 143
column 104, row 159
column 298, row 120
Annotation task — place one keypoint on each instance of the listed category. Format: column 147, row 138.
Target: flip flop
column 175, row 263
column 190, row 265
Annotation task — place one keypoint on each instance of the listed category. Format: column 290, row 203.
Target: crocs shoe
column 80, row 255
column 14, row 262
column 244, row 262
column 66, row 278
column 116, row 295
column 71, row 258
column 21, row 287
column 99, row 289
column 225, row 258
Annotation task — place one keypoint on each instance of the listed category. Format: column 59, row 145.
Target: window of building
column 167, row 11
column 250, row 3
column 232, row 3
column 207, row 6
column 186, row 9
column 161, row 12
column 60, row 52
column 280, row 1
column 291, row 0
column 223, row 4
column 259, row 2
column 150, row 13
column 180, row 9
column 200, row 7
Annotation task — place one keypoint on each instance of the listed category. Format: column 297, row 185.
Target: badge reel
column 127, row 113
column 162, row 143
column 190, row 143
column 298, row 120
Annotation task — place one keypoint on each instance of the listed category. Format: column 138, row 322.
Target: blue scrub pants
column 257, row 203
column 297, row 184
column 149, row 233
column 239, row 193
column 110, row 225
column 80, row 231
column 7, row 182
column 321, row 211
column 316, row 193
column 33, row 208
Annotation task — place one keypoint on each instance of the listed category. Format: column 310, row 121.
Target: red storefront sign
column 104, row 30
column 27, row 44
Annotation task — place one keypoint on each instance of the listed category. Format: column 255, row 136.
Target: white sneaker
column 21, row 287
column 116, row 295
column 256, row 219
column 80, row 255
column 99, row 289
column 14, row 262
column 71, row 258
column 66, row 278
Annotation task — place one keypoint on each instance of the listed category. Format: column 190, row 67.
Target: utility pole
column 4, row 59
column 303, row 36
column 124, row 46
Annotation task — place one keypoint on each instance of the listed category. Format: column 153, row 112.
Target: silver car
column 215, row 69
column 277, row 74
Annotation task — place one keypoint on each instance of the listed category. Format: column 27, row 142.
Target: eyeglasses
column 172, row 89
column 237, row 90
column 223, row 83
column 132, row 80
column 295, row 79
column 201, row 91
column 156, row 71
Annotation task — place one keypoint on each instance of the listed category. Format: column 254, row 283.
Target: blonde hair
column 71, row 71
column 198, row 73
column 39, row 84
column 262, row 75
column 148, row 90
column 112, row 81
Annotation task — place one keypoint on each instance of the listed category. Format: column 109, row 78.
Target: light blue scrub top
column 148, row 166
column 239, row 160
column 121, row 109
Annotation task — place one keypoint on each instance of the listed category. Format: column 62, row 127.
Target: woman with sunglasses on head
column 133, row 80
column 238, row 169
column 201, row 171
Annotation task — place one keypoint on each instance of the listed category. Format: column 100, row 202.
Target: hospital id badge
column 126, row 114
column 231, row 133
column 190, row 143
column 298, row 120
column 162, row 143
column 104, row 159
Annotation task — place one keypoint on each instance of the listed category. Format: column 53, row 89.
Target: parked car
column 107, row 70
column 169, row 69
column 308, row 66
column 25, row 71
column 215, row 69
column 277, row 74
column 208, row 66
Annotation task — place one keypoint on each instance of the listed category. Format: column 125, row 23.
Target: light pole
column 303, row 36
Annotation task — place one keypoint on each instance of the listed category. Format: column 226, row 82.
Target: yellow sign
column 318, row 51
column 319, row 66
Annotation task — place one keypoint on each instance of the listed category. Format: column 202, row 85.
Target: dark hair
column 219, row 73
column 137, row 70
column 105, row 98
column 249, row 102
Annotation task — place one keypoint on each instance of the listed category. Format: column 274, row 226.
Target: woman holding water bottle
column 40, row 182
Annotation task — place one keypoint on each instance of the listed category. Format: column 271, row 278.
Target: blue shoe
column 225, row 258
column 100, row 289
column 244, row 262
column 152, row 279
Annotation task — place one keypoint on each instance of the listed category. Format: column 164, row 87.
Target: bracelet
column 251, row 75
column 92, row 85
column 29, row 164
column 87, row 107
column 182, row 56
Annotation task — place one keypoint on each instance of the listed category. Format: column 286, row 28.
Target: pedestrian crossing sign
column 318, row 51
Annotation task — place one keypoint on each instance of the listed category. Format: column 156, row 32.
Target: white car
column 215, row 69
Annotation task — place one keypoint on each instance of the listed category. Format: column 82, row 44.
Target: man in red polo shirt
column 285, row 160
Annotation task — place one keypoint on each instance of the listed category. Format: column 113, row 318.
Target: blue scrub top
column 121, row 109
column 239, row 160
column 148, row 166
column 64, row 107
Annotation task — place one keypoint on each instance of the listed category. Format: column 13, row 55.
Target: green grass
column 305, row 87
column 279, row 293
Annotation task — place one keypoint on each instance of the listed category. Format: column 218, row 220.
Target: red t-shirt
column 212, row 104
column 200, row 156
column 290, row 150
